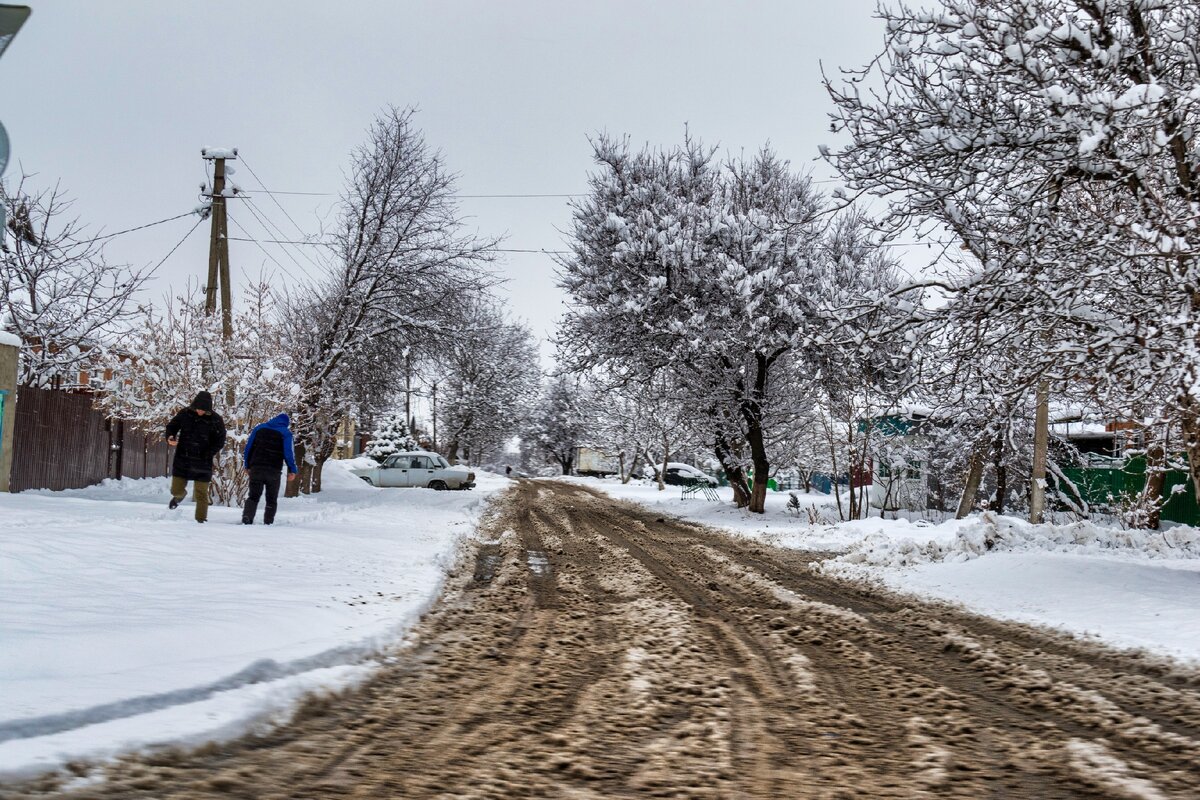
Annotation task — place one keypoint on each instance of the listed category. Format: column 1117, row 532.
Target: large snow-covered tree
column 1056, row 140
column 682, row 263
column 716, row 273
column 58, row 292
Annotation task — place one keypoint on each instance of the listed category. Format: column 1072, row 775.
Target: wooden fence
column 60, row 441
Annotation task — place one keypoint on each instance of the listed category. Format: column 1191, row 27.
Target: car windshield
column 441, row 462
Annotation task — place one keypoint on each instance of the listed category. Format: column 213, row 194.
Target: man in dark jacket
column 267, row 450
column 197, row 434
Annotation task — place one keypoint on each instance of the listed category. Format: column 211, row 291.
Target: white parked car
column 417, row 468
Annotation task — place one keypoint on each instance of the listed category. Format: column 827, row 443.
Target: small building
column 897, row 480
column 594, row 463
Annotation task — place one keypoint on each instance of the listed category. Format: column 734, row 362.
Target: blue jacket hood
column 279, row 423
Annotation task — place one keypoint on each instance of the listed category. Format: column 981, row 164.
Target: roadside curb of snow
column 995, row 534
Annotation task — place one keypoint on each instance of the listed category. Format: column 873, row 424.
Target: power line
column 930, row 243
column 260, row 247
column 308, row 194
column 142, row 227
column 178, row 244
column 502, row 196
column 279, row 241
column 263, row 186
column 258, row 215
column 515, row 196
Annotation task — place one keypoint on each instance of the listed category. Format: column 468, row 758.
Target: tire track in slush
column 589, row 649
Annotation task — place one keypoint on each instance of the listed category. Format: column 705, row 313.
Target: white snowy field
column 1131, row 589
column 126, row 625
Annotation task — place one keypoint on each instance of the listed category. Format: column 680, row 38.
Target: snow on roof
column 1079, row 429
column 10, row 339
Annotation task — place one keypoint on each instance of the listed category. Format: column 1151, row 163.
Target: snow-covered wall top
column 10, row 339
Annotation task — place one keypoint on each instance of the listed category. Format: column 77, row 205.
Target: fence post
column 9, row 352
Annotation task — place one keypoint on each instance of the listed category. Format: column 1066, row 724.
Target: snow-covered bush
column 391, row 436
column 174, row 354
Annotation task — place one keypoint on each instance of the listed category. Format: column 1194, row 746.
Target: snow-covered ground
column 125, row 624
column 1137, row 589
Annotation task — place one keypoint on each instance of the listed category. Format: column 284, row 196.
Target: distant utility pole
column 1041, row 446
column 218, row 244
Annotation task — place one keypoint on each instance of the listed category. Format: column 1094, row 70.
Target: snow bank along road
column 597, row 650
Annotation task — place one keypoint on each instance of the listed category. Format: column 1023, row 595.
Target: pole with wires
column 218, row 245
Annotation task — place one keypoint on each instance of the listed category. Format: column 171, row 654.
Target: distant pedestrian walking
column 267, row 450
column 508, row 472
column 197, row 434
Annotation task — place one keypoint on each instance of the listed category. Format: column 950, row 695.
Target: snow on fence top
column 10, row 339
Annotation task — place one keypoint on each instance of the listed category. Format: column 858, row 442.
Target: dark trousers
column 258, row 482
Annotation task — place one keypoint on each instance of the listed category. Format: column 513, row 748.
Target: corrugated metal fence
column 61, row 442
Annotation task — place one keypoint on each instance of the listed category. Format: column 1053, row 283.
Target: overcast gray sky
column 115, row 99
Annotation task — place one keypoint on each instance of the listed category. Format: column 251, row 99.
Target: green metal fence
column 1114, row 487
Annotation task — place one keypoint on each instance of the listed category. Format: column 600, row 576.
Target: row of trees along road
column 405, row 288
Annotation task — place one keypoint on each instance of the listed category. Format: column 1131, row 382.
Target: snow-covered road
column 126, row 624
column 1130, row 589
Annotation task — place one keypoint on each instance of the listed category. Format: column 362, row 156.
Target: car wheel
column 368, row 480
column 439, row 486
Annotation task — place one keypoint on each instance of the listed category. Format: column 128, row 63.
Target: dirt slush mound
column 596, row 650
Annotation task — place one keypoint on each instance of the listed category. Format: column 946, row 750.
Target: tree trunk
column 734, row 473
column 662, row 471
column 974, row 476
column 1001, row 473
column 1191, row 438
column 1001, row 487
column 1156, row 477
column 762, row 468
column 633, row 465
column 319, row 468
column 315, row 483
column 292, row 488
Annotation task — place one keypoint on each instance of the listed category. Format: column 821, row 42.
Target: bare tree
column 490, row 379
column 57, row 290
column 404, row 259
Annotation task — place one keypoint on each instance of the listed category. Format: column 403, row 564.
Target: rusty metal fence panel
column 142, row 455
column 61, row 442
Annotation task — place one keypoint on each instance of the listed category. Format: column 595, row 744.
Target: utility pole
column 218, row 243
column 1041, row 443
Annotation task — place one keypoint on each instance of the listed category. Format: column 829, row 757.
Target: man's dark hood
column 203, row 402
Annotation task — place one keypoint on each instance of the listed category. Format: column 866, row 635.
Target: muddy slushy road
column 596, row 650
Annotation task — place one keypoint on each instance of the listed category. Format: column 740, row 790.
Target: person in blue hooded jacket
column 267, row 450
